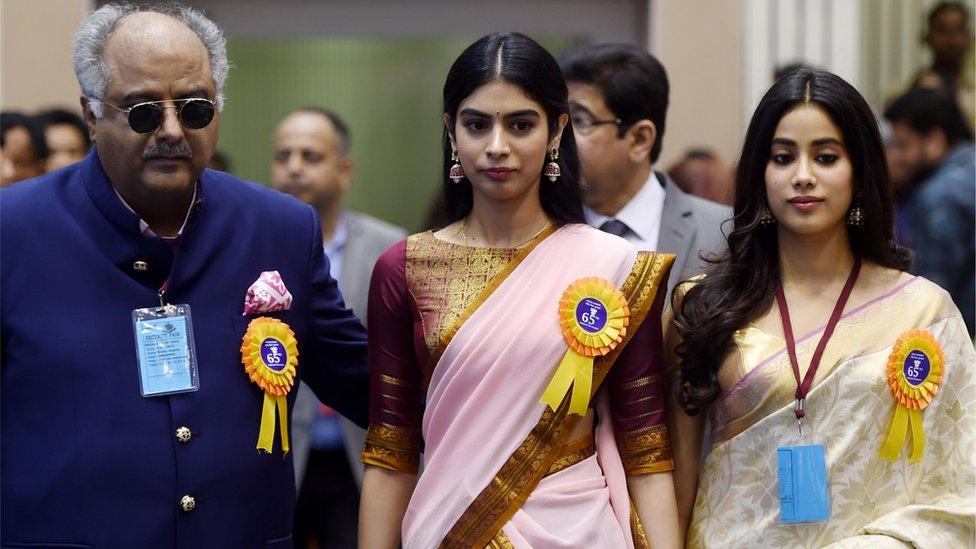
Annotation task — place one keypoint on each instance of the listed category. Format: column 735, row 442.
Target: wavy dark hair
column 740, row 284
column 519, row 60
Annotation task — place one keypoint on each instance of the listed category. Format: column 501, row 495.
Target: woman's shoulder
column 919, row 294
column 932, row 293
column 391, row 261
column 682, row 288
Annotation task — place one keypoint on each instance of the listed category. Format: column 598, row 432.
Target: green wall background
column 388, row 91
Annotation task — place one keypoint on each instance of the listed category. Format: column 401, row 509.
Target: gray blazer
column 367, row 239
column 690, row 226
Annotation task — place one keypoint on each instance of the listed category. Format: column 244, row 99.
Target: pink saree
column 489, row 441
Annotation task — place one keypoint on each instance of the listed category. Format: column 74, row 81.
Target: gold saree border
column 637, row 529
column 495, row 505
column 500, row 541
column 480, row 300
column 573, row 453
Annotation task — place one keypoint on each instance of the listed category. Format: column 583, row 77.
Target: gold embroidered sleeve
column 392, row 447
column 646, row 451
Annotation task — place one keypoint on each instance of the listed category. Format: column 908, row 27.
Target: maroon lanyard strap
column 802, row 388
column 162, row 292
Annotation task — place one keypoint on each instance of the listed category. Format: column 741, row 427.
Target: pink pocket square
column 267, row 295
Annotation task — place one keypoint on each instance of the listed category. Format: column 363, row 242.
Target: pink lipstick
column 498, row 174
column 805, row 203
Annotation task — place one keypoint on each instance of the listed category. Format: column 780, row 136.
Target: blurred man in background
column 23, row 150
column 67, row 138
column 312, row 163
column 932, row 140
column 618, row 95
column 950, row 38
column 703, row 173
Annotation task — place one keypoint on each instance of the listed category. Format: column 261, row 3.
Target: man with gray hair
column 157, row 315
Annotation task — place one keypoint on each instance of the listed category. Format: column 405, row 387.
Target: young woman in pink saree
column 811, row 321
column 517, row 350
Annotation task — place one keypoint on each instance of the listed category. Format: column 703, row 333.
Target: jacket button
column 183, row 434
column 187, row 503
column 140, row 266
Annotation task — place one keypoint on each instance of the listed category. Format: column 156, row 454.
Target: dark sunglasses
column 194, row 114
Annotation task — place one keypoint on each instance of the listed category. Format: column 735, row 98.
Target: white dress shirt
column 641, row 215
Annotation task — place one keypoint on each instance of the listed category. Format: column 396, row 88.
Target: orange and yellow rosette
column 594, row 316
column 915, row 369
column 270, row 356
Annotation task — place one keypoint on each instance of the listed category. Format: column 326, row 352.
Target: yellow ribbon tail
column 560, row 382
column 572, row 368
column 266, row 434
column 896, row 434
column 918, row 435
column 283, row 421
column 582, row 384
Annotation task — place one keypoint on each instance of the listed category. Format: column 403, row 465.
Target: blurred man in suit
column 67, row 138
column 312, row 163
column 936, row 215
column 23, row 149
column 618, row 95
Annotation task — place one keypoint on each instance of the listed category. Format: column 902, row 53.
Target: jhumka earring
column 856, row 216
column 456, row 172
column 552, row 170
column 767, row 217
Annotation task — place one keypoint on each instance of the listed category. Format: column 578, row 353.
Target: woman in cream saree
column 473, row 360
column 892, row 392
column 874, row 502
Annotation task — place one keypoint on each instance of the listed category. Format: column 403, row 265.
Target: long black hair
column 740, row 285
column 516, row 59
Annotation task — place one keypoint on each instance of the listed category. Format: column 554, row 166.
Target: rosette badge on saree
column 915, row 369
column 594, row 316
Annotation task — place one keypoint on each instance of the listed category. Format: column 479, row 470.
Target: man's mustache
column 168, row 150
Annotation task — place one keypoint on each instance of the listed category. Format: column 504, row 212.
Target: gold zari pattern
column 574, row 453
column 444, row 278
column 500, row 541
column 392, row 447
column 646, row 451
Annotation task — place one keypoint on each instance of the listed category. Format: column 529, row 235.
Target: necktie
column 614, row 227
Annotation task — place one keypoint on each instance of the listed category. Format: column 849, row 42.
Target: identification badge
column 804, row 494
column 165, row 352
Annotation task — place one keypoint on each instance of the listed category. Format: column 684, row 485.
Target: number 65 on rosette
column 593, row 316
column 270, row 356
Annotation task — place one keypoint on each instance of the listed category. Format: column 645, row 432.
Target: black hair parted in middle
column 517, row 59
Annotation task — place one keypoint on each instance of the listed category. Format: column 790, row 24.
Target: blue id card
column 165, row 351
column 804, row 494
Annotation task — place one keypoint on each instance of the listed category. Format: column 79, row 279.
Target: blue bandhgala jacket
column 85, row 460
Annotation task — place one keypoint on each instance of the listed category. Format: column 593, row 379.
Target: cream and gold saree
column 874, row 502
